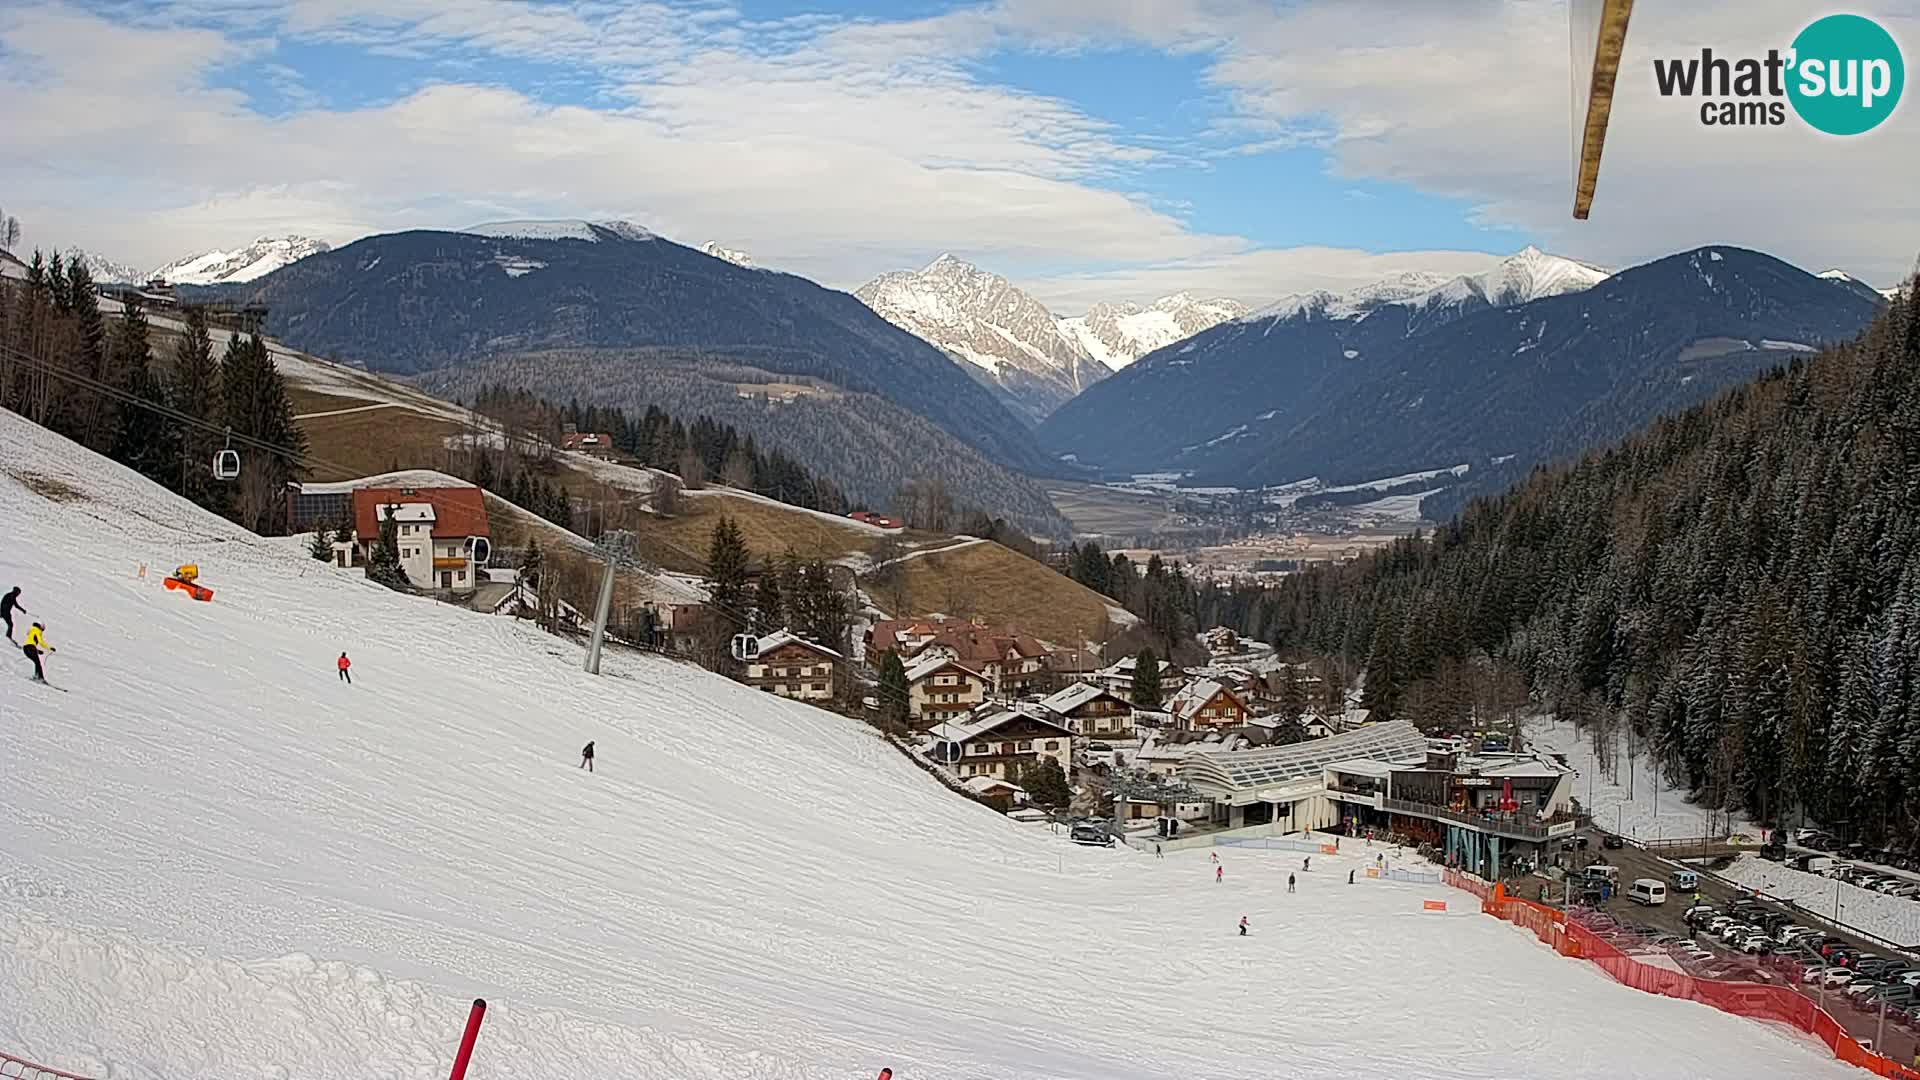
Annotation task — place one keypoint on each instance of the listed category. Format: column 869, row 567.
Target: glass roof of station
column 1395, row 741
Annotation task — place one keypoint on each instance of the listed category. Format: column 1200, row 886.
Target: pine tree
column 727, row 559
column 1146, row 680
column 145, row 438
column 383, row 561
column 769, row 606
column 1046, row 783
column 827, row 618
column 321, row 546
column 894, row 692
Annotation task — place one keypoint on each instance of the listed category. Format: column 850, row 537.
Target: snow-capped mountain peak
column 559, row 229
column 105, row 271
column 258, row 259
column 1530, row 274
column 1003, row 336
column 737, row 258
column 1118, row 334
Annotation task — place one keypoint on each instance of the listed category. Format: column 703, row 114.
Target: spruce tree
column 727, row 559
column 769, row 606
column 197, row 392
column 145, row 438
column 383, row 561
column 1046, row 783
column 1146, row 680
column 895, row 694
column 321, row 546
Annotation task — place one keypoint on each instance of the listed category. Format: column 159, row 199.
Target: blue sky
column 1089, row 149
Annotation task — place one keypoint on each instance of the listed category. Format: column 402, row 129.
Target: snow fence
column 13, row 1068
column 1758, row 1001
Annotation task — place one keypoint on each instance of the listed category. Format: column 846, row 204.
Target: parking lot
column 1898, row 1039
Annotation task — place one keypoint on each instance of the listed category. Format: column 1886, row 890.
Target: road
column 1900, row 1043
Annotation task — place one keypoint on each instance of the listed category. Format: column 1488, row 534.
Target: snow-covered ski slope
column 216, row 861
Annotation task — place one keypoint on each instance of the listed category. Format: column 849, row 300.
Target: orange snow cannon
column 187, row 579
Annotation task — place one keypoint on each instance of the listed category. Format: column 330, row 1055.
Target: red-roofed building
column 433, row 526
column 597, row 443
column 1013, row 663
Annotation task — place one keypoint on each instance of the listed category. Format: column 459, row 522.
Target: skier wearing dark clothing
column 586, row 757
column 1289, row 882
column 35, row 648
column 1349, row 877
column 1243, row 926
column 1306, row 863
column 8, row 605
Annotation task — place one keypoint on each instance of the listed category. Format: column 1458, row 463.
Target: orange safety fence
column 1757, row 1000
column 1460, row 879
column 13, row 1068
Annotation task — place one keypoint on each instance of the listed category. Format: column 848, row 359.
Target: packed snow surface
column 1894, row 918
column 1622, row 799
column 218, row 861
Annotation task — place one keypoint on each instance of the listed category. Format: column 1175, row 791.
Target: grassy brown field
column 357, row 444
column 1005, row 587
column 1113, row 513
column 984, row 579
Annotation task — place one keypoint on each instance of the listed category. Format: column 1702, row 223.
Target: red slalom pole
column 466, row 1041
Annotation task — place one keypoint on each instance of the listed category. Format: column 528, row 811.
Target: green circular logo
column 1847, row 74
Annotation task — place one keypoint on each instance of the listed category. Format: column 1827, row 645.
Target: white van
column 1599, row 872
column 1648, row 891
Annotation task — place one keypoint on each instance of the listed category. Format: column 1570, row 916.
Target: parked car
column 1091, row 835
column 1612, row 842
column 1698, row 915
column 1835, row 977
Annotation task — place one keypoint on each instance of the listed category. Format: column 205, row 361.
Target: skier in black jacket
column 586, row 757
column 8, row 605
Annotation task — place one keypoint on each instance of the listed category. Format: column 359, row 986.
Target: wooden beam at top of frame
column 1606, row 67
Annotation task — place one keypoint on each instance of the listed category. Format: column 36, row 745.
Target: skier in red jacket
column 344, row 664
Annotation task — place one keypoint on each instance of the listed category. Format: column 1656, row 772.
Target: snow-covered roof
column 1396, row 740
column 1530, row 768
column 980, row 785
column 923, row 668
column 1193, row 697
column 405, row 512
column 1363, row 767
column 1073, row 697
column 959, row 731
column 786, row 637
column 405, row 478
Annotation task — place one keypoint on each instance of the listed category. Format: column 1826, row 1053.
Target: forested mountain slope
column 1740, row 582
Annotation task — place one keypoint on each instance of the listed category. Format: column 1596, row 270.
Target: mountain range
column 609, row 312
column 995, row 332
column 1536, row 358
column 1008, row 340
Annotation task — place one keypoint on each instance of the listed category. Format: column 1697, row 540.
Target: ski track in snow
column 216, row 861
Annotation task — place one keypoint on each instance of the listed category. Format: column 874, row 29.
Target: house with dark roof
column 1012, row 662
column 1207, row 703
column 1001, row 744
column 434, row 530
column 1092, row 711
column 597, row 443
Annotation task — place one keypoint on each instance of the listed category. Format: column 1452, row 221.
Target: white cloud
column 837, row 148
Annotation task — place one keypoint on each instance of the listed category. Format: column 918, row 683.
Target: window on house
column 977, row 749
column 1026, row 746
column 1053, row 744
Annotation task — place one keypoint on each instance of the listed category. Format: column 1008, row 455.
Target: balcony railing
column 1499, row 826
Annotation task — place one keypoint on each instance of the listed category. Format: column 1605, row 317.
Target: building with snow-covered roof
column 790, row 666
column 941, row 689
column 1487, row 815
column 1118, row 676
column 1207, row 703
column 1001, row 744
column 1092, row 711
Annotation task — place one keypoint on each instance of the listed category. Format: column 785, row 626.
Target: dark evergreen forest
column 1738, row 584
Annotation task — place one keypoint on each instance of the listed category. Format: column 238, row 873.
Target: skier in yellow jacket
column 36, row 646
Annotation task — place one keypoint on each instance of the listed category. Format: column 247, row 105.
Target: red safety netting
column 1460, row 879
column 1775, row 1003
column 13, row 1068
